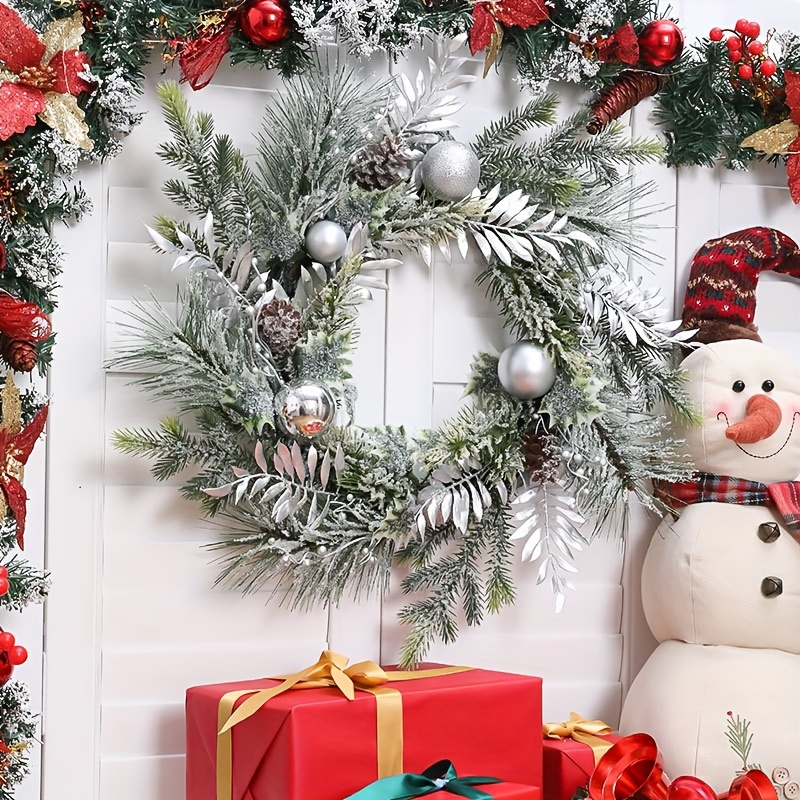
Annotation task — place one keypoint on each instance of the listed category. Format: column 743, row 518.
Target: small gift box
column 264, row 740
column 571, row 751
column 440, row 781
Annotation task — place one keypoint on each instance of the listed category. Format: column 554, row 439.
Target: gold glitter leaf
column 63, row 34
column 12, row 407
column 774, row 140
column 63, row 114
column 493, row 50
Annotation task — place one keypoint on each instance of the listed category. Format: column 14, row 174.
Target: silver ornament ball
column 326, row 241
column 526, row 371
column 304, row 408
column 450, row 170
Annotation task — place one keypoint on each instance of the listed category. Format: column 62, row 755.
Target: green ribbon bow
column 439, row 776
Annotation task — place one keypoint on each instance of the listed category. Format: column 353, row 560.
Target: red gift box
column 314, row 744
column 568, row 765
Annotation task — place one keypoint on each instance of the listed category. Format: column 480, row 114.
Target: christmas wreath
column 560, row 428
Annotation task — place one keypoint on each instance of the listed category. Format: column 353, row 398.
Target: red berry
column 746, row 71
column 742, row 25
column 716, row 34
column 753, row 29
column 4, row 586
column 734, row 43
column 17, row 655
column 7, row 641
column 735, row 55
column 755, row 48
column 768, row 67
column 3, row 571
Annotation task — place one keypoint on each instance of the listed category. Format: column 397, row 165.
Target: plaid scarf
column 708, row 488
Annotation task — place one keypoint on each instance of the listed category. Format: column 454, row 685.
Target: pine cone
column 279, row 327
column 628, row 89
column 542, row 455
column 20, row 355
column 383, row 164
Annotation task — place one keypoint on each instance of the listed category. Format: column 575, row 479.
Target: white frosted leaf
column 297, row 462
column 580, row 236
column 492, row 195
column 533, row 549
column 313, row 456
column 447, row 506
column 477, row 505
column 463, row 244
column 239, row 472
column 515, row 245
column 259, row 485
column 461, row 509
column 240, row 490
column 325, row 469
column 559, row 224
column 432, row 510
column 219, row 491
column 444, row 249
column 276, row 460
column 185, row 240
column 543, row 223
column 208, row 234
column 259, row 455
column 380, row 264
column 339, row 461
column 426, row 252
column 161, row 242
column 483, row 245
column 502, row 491
column 548, row 248
column 486, row 497
column 500, row 250
column 407, row 88
column 513, row 209
column 286, row 458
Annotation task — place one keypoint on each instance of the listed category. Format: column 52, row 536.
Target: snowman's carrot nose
column 762, row 420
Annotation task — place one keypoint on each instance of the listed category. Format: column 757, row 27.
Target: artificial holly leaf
column 19, row 45
column 68, row 66
column 793, row 170
column 793, row 95
column 19, row 106
column 522, row 13
column 775, row 140
column 483, row 27
column 495, row 45
column 63, row 114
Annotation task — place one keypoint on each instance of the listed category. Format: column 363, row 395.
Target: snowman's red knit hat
column 721, row 292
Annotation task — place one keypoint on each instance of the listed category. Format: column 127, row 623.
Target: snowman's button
column 780, row 775
column 772, row 587
column 768, row 532
column 791, row 790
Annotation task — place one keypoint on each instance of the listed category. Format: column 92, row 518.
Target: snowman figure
column 721, row 582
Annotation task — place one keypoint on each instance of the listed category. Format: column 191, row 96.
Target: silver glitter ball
column 304, row 408
column 526, row 371
column 450, row 170
column 326, row 241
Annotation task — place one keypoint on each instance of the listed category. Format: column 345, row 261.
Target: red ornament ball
column 741, row 25
column 17, row 655
column 716, row 34
column 746, row 72
column 6, row 669
column 755, row 48
column 4, row 586
column 3, row 571
column 660, row 43
column 734, row 43
column 265, row 22
column 735, row 55
column 768, row 67
column 753, row 29
column 7, row 641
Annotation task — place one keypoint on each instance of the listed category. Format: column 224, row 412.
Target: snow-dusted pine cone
column 542, row 454
column 21, row 356
column 279, row 327
column 383, row 164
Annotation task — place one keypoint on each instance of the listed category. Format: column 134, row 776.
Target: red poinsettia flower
column 488, row 14
column 793, row 161
column 41, row 77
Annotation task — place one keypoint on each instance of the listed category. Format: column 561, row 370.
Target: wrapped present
column 440, row 780
column 329, row 730
column 571, row 751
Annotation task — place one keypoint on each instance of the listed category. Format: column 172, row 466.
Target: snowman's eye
column 738, row 386
column 768, row 386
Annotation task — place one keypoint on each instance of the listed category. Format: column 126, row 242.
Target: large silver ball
column 450, row 170
column 304, row 408
column 526, row 371
column 326, row 241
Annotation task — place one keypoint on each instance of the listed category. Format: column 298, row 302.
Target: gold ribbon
column 331, row 670
column 585, row 731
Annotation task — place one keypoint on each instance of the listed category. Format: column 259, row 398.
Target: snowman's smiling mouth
column 753, row 455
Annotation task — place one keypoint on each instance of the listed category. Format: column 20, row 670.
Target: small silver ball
column 526, row 371
column 333, row 132
column 285, row 559
column 566, row 454
column 234, row 286
column 536, row 416
column 304, row 408
column 326, row 241
column 250, row 311
column 321, row 549
column 365, row 551
column 371, row 559
column 350, row 498
column 450, row 171
column 580, row 473
column 261, row 288
column 577, row 459
column 306, row 561
column 271, row 540
column 369, row 136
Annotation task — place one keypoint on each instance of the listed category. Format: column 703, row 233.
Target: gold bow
column 581, row 730
column 331, row 670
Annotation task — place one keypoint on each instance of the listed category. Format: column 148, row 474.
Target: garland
column 279, row 257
